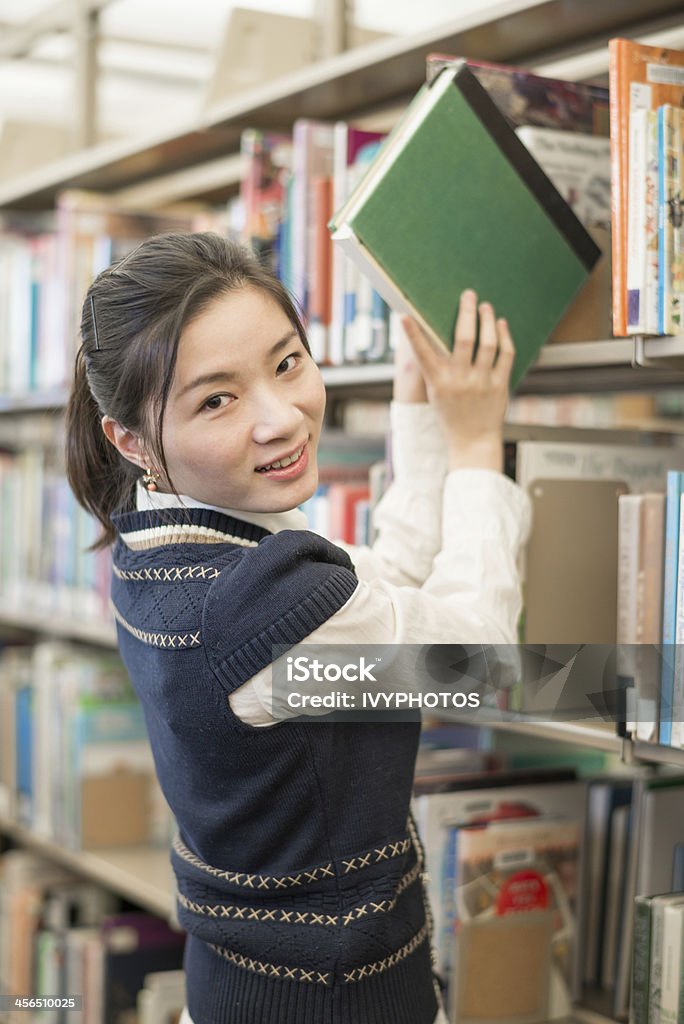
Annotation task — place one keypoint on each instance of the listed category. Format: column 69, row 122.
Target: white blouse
column 444, row 566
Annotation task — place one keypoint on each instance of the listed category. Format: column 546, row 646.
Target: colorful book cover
column 515, row 905
column 528, row 99
column 312, row 158
column 651, row 256
column 636, row 226
column 352, row 146
column 640, row 77
column 264, row 192
column 670, row 233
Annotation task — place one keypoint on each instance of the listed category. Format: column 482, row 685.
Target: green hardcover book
column 454, row 200
column 641, row 959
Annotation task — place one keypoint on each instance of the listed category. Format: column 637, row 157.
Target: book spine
column 672, row 986
column 651, row 226
column 669, row 317
column 656, row 965
column 636, row 228
column 618, row 162
column 675, row 486
column 629, row 530
column 677, row 713
column 641, row 959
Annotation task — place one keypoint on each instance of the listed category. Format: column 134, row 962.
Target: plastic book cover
column 528, row 99
column 515, row 930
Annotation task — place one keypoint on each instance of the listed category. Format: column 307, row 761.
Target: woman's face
column 245, row 395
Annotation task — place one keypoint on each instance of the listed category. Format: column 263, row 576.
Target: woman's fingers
column 466, row 329
column 506, row 357
column 486, row 350
column 425, row 350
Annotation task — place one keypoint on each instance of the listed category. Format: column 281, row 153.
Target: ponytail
column 101, row 479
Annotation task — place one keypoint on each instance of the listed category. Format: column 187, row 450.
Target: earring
column 149, row 479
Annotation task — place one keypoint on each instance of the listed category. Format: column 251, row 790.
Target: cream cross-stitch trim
column 168, row 575
column 256, row 881
column 281, row 916
column 272, row 970
column 168, row 640
column 375, row 856
column 390, row 961
column 314, row 976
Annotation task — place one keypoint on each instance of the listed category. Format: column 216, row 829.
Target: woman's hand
column 470, row 396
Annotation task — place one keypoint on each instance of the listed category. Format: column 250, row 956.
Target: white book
column 629, row 539
column 636, row 222
column 579, row 167
column 651, row 226
column 672, row 976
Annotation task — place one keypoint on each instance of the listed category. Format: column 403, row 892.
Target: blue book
column 675, row 489
column 24, row 753
column 447, row 938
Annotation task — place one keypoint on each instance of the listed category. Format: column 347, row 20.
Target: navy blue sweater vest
column 298, row 869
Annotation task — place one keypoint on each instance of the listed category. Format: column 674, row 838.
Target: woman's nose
column 275, row 416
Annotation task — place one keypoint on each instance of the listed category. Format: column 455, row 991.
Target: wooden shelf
column 61, row 626
column 379, row 73
column 591, row 737
column 654, row 753
column 140, row 874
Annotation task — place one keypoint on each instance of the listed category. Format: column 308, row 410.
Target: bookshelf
column 140, row 874
column 200, row 161
column 350, row 84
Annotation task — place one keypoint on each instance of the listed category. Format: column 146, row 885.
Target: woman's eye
column 289, row 362
column 217, row 402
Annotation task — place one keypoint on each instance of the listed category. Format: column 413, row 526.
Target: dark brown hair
column 133, row 316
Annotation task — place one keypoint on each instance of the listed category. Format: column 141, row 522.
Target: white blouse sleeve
column 471, row 596
column 408, row 517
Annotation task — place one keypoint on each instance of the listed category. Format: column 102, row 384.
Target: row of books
column 47, row 261
column 651, row 611
column 75, row 762
column 532, row 876
column 647, row 92
column 354, row 472
column 502, row 855
column 634, row 846
column 655, row 270
column 610, row 588
column 292, row 187
column 44, row 561
column 61, row 936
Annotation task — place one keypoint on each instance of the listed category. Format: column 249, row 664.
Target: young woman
column 192, row 432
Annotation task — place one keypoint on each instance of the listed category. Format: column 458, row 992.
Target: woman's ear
column 125, row 441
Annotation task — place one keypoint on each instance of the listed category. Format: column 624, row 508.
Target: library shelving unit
column 200, row 161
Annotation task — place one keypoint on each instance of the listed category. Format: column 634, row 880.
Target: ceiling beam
column 18, row 40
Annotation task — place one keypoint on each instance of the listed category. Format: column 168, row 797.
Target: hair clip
column 92, row 313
